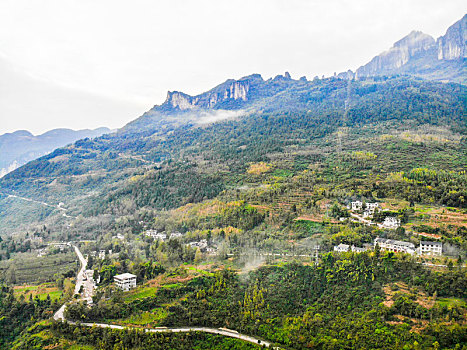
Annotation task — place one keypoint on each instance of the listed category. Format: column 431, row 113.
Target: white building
column 390, row 222
column 125, row 281
column 371, row 207
column 101, row 254
column 202, row 245
column 357, row 249
column 431, row 248
column 395, row 246
column 356, row 206
column 156, row 235
column 341, row 248
column 175, row 235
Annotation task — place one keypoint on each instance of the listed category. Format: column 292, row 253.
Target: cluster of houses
column 100, row 254
column 341, row 248
column 162, row 236
column 369, row 209
column 425, row 247
column 203, row 246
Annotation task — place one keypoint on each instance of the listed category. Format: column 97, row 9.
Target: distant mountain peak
column 415, row 40
column 419, row 54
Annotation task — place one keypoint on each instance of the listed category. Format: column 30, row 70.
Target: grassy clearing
column 451, row 302
column 152, row 317
column 203, row 272
column 41, row 291
column 140, row 293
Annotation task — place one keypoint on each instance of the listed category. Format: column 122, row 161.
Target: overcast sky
column 91, row 63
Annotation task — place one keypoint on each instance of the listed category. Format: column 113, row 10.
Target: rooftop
column 431, row 242
column 392, row 241
column 125, row 276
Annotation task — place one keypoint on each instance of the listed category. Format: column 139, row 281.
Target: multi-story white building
column 371, row 207
column 431, row 248
column 125, row 281
column 355, row 206
column 395, row 246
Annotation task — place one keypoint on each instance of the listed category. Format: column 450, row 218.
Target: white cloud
column 136, row 51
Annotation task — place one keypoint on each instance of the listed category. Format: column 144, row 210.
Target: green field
column 41, row 291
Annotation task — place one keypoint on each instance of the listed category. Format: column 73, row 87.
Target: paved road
column 58, row 207
column 79, row 282
column 220, row 331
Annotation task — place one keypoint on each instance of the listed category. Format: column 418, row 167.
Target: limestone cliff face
column 179, row 100
column 452, row 45
column 402, row 51
column 230, row 90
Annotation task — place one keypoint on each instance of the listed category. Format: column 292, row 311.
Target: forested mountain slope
column 172, row 156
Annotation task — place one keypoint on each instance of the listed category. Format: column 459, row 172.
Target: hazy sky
column 90, row 63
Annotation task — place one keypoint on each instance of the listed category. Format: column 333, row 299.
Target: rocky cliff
column 231, row 90
column 452, row 45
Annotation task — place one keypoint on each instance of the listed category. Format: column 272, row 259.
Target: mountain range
column 21, row 146
column 191, row 148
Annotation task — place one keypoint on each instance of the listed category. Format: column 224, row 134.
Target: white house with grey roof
column 125, row 281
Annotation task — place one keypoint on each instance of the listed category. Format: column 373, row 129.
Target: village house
column 356, row 206
column 125, row 281
column 431, row 248
column 371, row 207
column 341, row 248
column 395, row 246
column 357, row 249
column 156, row 235
column 102, row 254
column 390, row 222
column 202, row 244
column 175, row 235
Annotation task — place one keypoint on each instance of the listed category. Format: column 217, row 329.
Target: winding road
column 59, row 316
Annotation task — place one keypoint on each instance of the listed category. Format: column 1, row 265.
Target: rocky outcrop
column 180, row 100
column 452, row 45
column 231, row 90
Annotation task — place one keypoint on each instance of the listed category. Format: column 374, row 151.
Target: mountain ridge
column 21, row 146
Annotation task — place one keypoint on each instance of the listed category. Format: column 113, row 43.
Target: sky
column 90, row 63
